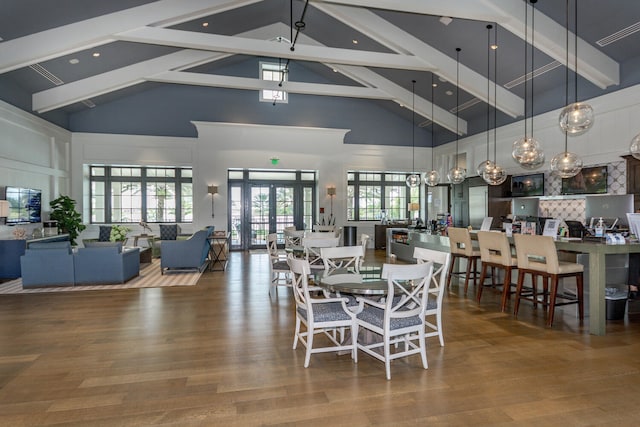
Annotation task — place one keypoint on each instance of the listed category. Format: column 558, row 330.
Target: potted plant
column 63, row 210
column 119, row 233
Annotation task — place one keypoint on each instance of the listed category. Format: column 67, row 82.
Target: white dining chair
column 399, row 318
column 327, row 316
column 312, row 246
column 441, row 261
column 280, row 274
column 342, row 257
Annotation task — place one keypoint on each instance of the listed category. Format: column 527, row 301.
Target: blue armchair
column 106, row 264
column 187, row 254
column 47, row 264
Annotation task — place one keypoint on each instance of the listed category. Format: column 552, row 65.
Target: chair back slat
column 460, row 241
column 494, row 247
column 536, row 253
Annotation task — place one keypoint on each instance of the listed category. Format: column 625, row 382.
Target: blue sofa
column 190, row 254
column 47, row 264
column 106, row 264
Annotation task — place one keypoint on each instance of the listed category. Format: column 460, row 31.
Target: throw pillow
column 168, row 231
column 105, row 233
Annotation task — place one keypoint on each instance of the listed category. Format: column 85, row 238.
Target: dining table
column 347, row 282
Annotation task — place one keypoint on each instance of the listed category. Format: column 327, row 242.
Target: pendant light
column 566, row 164
column 577, row 118
column 497, row 174
column 457, row 174
column 634, row 148
column 433, row 177
column 487, row 165
column 527, row 151
column 414, row 179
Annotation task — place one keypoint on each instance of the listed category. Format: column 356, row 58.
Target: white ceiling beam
column 70, row 93
column 246, row 83
column 247, row 46
column 593, row 65
column 49, row 44
column 397, row 39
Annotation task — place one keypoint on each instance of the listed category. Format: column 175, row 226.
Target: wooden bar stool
column 537, row 256
column 495, row 252
column 461, row 247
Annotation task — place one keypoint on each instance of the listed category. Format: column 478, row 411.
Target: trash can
column 350, row 234
column 616, row 301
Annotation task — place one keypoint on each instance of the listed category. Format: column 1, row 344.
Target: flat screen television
column 527, row 185
column 24, row 205
column 592, row 180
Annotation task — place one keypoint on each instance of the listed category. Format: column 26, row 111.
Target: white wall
column 34, row 154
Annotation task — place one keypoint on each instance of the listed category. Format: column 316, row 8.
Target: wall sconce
column 331, row 192
column 213, row 190
column 4, row 210
column 413, row 207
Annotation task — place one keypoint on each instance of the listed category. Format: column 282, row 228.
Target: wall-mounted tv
column 527, row 185
column 592, row 180
column 24, row 205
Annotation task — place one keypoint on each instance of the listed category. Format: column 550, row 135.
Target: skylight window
column 273, row 72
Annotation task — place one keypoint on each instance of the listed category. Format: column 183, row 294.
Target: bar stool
column 537, row 256
column 495, row 252
column 461, row 247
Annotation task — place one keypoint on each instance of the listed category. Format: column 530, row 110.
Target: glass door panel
column 260, row 215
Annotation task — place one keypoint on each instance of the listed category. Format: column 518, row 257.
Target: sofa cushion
column 104, row 235
column 169, row 231
column 51, row 245
column 117, row 245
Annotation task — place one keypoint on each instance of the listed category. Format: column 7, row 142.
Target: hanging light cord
column 575, row 51
column 433, row 123
column 533, row 69
column 566, row 94
column 413, row 127
column 526, row 67
column 489, row 27
column 495, row 97
column 457, row 101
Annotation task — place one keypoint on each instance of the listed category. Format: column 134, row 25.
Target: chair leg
column 580, row 291
column 483, row 272
column 453, row 262
column 307, row 356
column 506, row 289
column 466, row 277
column 516, row 305
column 552, row 299
column 296, row 333
column 354, row 342
column 387, row 356
column 423, row 350
column 439, row 323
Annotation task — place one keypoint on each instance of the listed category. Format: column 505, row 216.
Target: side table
column 218, row 251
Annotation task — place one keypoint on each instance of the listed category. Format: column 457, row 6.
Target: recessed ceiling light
column 494, row 46
column 435, row 85
column 335, row 71
column 442, row 79
column 445, row 20
column 354, row 41
column 74, row 61
column 449, row 92
column 96, row 54
column 205, row 24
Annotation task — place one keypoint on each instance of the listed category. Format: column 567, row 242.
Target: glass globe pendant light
column 414, row 179
column 496, row 175
column 456, row 174
column 634, row 148
column 577, row 118
column 486, row 165
column 566, row 164
column 527, row 151
column 432, row 178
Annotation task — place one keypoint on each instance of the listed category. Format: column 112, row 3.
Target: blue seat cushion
column 104, row 235
column 327, row 312
column 168, row 231
column 375, row 317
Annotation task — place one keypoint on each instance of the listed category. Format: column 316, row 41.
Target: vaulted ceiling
column 357, row 49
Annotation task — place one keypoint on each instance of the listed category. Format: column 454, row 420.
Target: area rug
column 150, row 277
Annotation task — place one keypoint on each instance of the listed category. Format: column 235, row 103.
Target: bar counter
column 597, row 265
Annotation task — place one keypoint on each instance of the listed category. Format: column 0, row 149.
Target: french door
column 258, row 208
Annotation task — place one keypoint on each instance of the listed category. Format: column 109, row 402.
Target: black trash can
column 616, row 304
column 350, row 233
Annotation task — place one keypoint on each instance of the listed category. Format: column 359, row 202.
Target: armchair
column 186, row 254
column 47, row 264
column 106, row 264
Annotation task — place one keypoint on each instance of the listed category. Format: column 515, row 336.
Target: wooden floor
column 219, row 354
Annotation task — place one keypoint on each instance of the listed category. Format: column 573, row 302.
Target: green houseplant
column 63, row 210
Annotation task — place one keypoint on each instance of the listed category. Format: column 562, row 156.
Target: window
column 138, row 193
column 370, row 193
column 273, row 72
